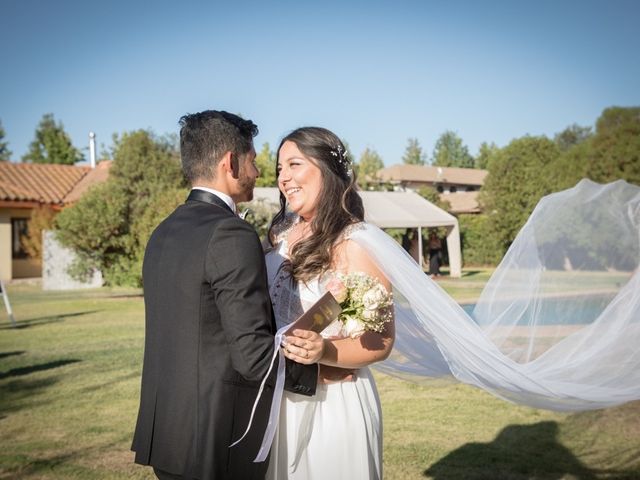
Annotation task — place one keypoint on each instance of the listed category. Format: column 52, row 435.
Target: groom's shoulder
column 189, row 220
column 235, row 227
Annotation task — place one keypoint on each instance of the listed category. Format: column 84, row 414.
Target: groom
column 209, row 327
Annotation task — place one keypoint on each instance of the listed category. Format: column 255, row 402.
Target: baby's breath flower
column 366, row 304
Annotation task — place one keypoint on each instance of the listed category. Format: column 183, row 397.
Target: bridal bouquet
column 366, row 304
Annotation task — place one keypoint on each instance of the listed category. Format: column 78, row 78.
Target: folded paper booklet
column 321, row 314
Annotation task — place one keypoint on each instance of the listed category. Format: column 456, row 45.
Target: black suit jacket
column 208, row 343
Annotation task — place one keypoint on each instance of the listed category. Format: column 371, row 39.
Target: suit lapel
column 208, row 197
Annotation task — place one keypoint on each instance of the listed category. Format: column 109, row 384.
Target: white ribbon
column 274, row 414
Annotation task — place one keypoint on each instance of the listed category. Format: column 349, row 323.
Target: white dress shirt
column 222, row 196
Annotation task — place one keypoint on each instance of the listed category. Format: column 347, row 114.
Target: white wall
column 56, row 259
column 5, row 246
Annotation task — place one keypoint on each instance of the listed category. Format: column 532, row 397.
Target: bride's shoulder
column 345, row 245
column 351, row 256
column 349, row 230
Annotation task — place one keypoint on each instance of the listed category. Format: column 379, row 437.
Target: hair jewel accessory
column 343, row 159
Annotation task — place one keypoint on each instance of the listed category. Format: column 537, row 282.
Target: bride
column 338, row 432
column 556, row 327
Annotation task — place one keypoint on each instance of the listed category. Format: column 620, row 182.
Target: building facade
column 458, row 186
column 24, row 187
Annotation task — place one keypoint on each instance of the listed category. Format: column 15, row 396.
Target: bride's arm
column 371, row 346
column 359, row 352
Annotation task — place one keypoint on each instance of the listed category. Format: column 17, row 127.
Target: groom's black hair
column 206, row 136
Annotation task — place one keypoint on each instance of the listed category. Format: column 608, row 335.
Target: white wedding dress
column 337, row 433
column 556, row 327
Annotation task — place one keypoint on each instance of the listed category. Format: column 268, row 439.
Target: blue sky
column 374, row 72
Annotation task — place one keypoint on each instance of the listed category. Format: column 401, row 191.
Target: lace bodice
column 289, row 298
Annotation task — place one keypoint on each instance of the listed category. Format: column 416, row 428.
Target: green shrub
column 110, row 225
column 479, row 245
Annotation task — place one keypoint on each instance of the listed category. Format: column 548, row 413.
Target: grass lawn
column 69, row 382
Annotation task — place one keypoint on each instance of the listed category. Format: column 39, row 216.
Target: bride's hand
column 304, row 346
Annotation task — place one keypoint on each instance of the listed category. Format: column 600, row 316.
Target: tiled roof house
column 458, row 186
column 25, row 186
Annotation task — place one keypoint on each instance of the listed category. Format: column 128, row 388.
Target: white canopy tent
column 400, row 210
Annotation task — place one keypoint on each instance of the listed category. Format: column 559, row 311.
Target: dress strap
column 351, row 229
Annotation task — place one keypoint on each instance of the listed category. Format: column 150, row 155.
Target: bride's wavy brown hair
column 338, row 204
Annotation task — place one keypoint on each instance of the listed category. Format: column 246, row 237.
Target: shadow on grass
column 32, row 322
column 620, row 423
column 71, row 462
column 10, row 354
column 102, row 385
column 33, row 466
column 17, row 372
column 470, row 273
column 18, row 394
column 518, row 452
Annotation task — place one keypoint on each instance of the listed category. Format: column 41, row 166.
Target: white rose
column 370, row 314
column 374, row 297
column 353, row 328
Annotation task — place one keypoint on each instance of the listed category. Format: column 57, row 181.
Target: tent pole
column 7, row 305
column 420, row 247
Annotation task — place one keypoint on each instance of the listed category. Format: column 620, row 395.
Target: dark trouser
column 162, row 475
column 434, row 262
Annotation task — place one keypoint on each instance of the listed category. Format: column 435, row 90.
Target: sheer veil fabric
column 558, row 324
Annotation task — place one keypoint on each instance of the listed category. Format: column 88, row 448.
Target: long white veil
column 558, row 324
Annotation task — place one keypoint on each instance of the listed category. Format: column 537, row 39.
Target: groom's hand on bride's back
column 303, row 346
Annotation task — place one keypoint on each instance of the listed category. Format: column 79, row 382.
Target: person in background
column 435, row 254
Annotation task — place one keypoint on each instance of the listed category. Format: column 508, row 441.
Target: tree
column 615, row 146
column 266, row 162
column 431, row 194
column 368, row 166
column 485, row 153
column 450, row 151
column 572, row 135
column 520, row 174
column 51, row 144
column 571, row 166
column 479, row 245
column 611, row 153
column 110, row 225
column 42, row 218
column 413, row 154
column 5, row 153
